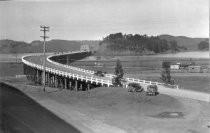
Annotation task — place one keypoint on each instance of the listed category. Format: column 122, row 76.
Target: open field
column 11, row 69
column 149, row 68
column 193, row 54
column 12, row 57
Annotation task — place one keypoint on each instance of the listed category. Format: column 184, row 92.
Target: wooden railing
column 67, row 74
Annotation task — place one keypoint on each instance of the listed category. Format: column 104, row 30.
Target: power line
column 44, row 29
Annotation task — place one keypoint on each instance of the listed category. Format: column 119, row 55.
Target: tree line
column 139, row 43
column 204, row 45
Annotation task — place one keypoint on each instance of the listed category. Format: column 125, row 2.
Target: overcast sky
column 94, row 19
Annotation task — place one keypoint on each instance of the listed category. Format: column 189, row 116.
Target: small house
column 175, row 66
column 85, row 48
column 195, row 69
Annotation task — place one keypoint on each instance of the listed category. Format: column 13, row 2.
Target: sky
column 95, row 19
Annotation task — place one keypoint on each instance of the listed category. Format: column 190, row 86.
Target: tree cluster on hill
column 203, row 45
column 138, row 43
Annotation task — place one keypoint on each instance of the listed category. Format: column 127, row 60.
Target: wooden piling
column 88, row 87
column 76, row 83
column 80, row 86
column 65, row 83
column 70, row 84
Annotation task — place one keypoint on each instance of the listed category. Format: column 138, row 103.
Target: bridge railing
column 68, row 66
column 151, row 83
column 67, row 74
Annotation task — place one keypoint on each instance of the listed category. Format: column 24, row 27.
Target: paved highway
column 20, row 114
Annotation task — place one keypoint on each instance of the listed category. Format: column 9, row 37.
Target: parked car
column 100, row 73
column 152, row 90
column 134, row 87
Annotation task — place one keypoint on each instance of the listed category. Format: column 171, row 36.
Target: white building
column 175, row 66
column 85, row 48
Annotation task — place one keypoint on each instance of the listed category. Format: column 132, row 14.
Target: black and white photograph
column 104, row 66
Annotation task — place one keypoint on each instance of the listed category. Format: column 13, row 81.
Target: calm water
column 195, row 54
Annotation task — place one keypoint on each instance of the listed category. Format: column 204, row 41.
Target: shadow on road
column 21, row 114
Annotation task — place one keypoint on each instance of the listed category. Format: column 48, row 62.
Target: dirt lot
column 116, row 110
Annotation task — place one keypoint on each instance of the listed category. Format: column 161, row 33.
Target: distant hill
column 10, row 46
column 56, row 45
column 189, row 43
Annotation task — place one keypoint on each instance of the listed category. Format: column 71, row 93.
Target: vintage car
column 100, row 73
column 152, row 90
column 134, row 87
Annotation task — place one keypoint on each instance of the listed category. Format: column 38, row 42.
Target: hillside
column 136, row 44
column 189, row 43
column 10, row 46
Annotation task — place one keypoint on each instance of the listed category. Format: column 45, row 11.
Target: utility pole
column 44, row 29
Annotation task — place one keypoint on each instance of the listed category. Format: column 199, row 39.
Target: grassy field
column 149, row 68
column 11, row 69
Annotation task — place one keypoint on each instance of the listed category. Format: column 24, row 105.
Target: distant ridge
column 190, row 43
column 36, row 46
column 57, row 45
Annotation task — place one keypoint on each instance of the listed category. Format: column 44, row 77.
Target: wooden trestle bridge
column 61, row 75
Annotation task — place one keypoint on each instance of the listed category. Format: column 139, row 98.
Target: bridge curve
column 33, row 68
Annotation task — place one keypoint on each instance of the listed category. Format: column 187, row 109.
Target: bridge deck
column 40, row 59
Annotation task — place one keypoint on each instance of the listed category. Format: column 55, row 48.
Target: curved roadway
column 40, row 59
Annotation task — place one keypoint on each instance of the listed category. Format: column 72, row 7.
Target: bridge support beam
column 47, row 79
column 43, row 78
column 56, row 81
column 50, row 80
column 70, row 85
column 61, row 85
column 37, row 76
column 80, row 86
column 53, row 81
column 65, row 83
column 88, row 87
column 76, row 84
